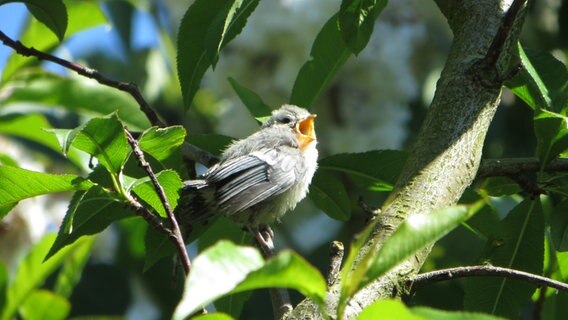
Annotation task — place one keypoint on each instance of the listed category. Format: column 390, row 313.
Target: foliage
column 515, row 228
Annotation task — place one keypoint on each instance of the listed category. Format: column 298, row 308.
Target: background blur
column 377, row 101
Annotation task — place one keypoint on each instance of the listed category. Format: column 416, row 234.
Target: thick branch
column 177, row 237
column 424, row 279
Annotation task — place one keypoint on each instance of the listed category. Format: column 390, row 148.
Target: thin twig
column 336, row 252
column 178, row 239
column 129, row 88
column 498, row 43
column 152, row 219
column 423, row 279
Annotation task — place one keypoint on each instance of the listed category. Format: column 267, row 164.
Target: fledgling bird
column 259, row 178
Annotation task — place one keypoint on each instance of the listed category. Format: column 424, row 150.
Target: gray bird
column 259, row 178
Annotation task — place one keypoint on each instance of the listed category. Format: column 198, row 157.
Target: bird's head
column 297, row 119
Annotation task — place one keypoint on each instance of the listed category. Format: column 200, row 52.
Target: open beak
column 305, row 129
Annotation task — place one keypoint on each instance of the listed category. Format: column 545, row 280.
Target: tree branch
column 515, row 166
column 177, row 237
column 129, row 88
column 423, row 279
column 188, row 150
column 336, row 252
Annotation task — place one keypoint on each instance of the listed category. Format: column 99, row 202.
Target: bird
column 258, row 178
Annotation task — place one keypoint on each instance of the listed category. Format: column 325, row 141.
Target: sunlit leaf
column 551, row 131
column 205, row 29
column 356, row 21
column 43, row 304
column 387, row 309
column 170, row 182
column 435, row 314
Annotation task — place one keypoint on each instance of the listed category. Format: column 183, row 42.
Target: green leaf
column 81, row 14
column 213, row 316
column 434, row 314
column 227, row 25
column 205, row 29
column 216, row 271
column 214, row 143
column 31, row 127
column 287, row 270
column 158, row 246
column 77, row 94
column 32, row 272
column 163, row 144
column 518, row 244
column 328, row 54
column 238, row 269
column 328, row 194
column 415, row 233
column 3, row 283
column 103, row 138
column 72, row 268
column 543, row 82
column 89, row 212
column 170, row 182
column 19, row 184
column 387, row 309
column 356, row 21
column 376, row 170
column 551, row 131
column 52, row 14
column 42, row 304
column 259, row 110
column 559, row 226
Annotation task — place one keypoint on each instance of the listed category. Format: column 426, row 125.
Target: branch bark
column 447, row 153
column 483, row 271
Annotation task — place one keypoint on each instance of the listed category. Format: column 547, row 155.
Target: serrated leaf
column 43, row 304
column 375, row 170
column 161, row 143
column 103, row 138
column 519, row 244
column 72, row 94
column 256, row 107
column 32, row 272
column 216, row 271
column 205, row 29
column 89, row 212
column 328, row 193
column 551, row 131
column 328, row 54
column 356, row 21
column 53, row 14
column 81, row 14
column 170, row 182
column 158, row 246
column 19, row 184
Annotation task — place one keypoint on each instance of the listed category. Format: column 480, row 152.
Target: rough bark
column 446, row 156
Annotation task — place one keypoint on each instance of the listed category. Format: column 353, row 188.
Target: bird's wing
column 247, row 180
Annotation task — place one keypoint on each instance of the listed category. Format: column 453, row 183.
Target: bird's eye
column 285, row 120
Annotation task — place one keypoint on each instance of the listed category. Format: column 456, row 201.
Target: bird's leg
column 264, row 238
